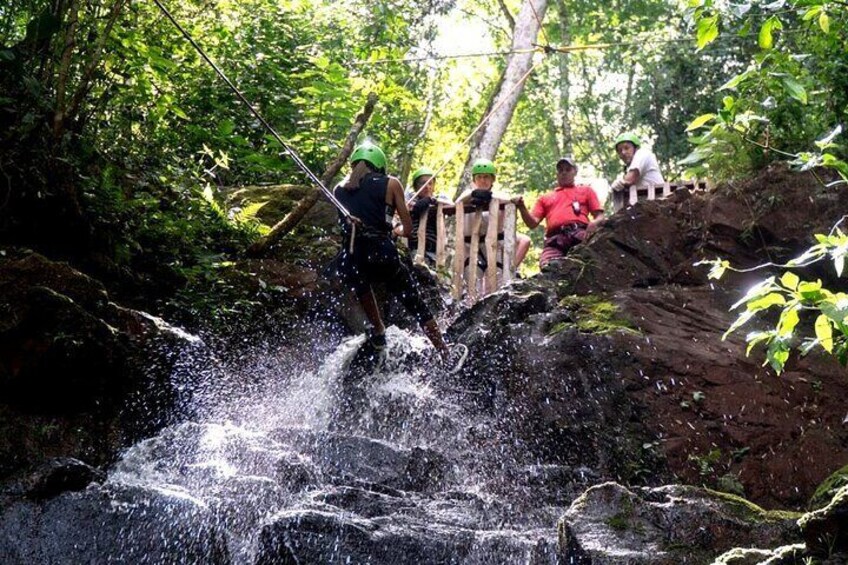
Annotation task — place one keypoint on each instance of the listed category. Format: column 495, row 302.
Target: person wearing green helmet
column 421, row 200
column 640, row 165
column 369, row 255
column 483, row 176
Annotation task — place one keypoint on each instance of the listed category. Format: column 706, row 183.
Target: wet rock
column 321, row 537
column 668, row 525
column 79, row 375
column 111, row 524
column 826, row 530
column 786, row 555
column 61, row 475
column 373, row 461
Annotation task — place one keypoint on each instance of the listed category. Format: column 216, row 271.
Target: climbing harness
column 292, row 153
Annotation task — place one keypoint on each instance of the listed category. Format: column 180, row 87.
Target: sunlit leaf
column 707, row 31
column 788, row 320
column 737, row 80
column 766, row 38
column 824, row 333
column 699, row 121
column 766, row 301
column 790, row 280
column 824, row 22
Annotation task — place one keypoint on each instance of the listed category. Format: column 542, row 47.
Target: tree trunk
column 566, row 146
column 484, row 145
column 294, row 217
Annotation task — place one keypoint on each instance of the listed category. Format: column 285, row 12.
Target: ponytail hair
column 360, row 169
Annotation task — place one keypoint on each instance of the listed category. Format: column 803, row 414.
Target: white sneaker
column 455, row 359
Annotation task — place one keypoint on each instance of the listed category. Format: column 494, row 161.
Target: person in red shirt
column 565, row 211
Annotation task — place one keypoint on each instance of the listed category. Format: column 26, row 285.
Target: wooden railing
column 629, row 197
column 467, row 220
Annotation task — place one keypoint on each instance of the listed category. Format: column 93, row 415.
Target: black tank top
column 368, row 202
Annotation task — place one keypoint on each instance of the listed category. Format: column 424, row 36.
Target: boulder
column 826, row 529
column 111, row 524
column 611, row 524
column 79, row 375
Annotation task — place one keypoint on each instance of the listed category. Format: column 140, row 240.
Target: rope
column 539, row 21
column 441, row 57
column 462, row 144
column 548, row 49
column 292, row 153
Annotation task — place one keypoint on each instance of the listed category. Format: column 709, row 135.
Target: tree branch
column 507, row 15
column 294, row 217
column 84, row 85
column 65, row 68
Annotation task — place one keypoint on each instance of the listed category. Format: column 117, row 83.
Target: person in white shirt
column 640, row 165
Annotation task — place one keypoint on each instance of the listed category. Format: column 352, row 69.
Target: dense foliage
column 118, row 144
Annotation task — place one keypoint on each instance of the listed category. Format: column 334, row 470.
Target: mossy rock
column 828, row 489
column 593, row 314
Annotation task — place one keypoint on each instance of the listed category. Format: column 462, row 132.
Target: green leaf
column 766, row 301
column 737, row 80
column 788, row 320
column 740, row 321
column 790, row 280
column 766, row 39
column 812, row 13
column 795, row 89
column 707, row 31
column 699, row 121
column 824, row 333
column 824, row 22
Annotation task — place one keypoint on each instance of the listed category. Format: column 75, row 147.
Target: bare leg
column 434, row 334
column 372, row 311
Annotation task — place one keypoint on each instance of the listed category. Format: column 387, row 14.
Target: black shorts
column 376, row 259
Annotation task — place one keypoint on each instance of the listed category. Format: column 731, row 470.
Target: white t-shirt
column 649, row 170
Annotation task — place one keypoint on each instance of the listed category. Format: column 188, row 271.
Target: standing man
column 570, row 212
column 640, row 165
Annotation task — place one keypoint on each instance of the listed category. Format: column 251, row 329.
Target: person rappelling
column 369, row 255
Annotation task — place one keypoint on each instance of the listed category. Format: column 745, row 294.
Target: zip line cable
column 548, row 49
column 488, row 116
column 292, row 153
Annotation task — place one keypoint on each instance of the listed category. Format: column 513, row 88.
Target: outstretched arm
column 526, row 215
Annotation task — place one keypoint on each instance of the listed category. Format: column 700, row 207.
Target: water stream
column 336, row 465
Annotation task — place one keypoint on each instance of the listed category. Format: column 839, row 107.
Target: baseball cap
column 567, row 159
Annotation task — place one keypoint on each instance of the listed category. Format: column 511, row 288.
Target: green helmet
column 628, row 136
column 369, row 153
column 482, row 166
column 423, row 171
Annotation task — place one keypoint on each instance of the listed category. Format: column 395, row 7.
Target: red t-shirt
column 557, row 210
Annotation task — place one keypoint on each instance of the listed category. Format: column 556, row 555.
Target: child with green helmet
column 483, row 176
column 420, row 201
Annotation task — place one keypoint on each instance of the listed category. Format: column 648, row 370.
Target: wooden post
column 633, row 197
column 492, row 247
column 473, row 252
column 441, row 235
column 652, row 192
column 508, row 243
column 666, row 189
column 459, row 252
column 422, row 238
